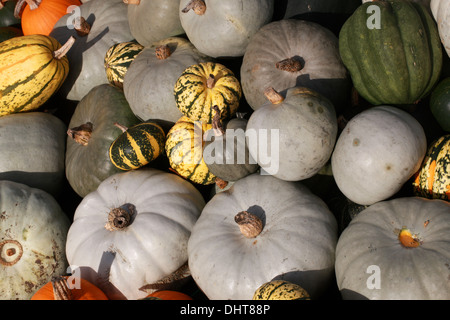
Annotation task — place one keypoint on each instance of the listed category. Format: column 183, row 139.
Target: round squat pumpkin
column 303, row 128
column 377, row 152
column 440, row 10
column 132, row 231
column 33, row 231
column 396, row 250
column 260, row 229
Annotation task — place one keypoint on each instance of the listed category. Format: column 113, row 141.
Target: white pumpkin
column 377, row 152
column 441, row 13
column 122, row 257
column 396, row 250
column 33, row 230
column 296, row 244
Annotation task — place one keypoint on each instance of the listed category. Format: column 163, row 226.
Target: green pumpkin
column 137, row 146
column 7, row 17
column 396, row 62
column 440, row 103
column 91, row 133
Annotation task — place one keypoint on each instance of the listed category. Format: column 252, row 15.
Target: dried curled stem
column 170, row 282
column 61, row 290
column 121, row 217
column 273, row 96
column 249, row 224
column 162, row 52
column 82, row 133
column 289, row 64
column 198, row 6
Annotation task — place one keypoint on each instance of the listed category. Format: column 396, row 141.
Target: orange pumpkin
column 167, row 295
column 39, row 16
column 58, row 289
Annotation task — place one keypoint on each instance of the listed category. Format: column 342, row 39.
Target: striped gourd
column 184, row 149
column 280, row 290
column 117, row 60
column 32, row 69
column 203, row 85
column 137, row 145
column 433, row 179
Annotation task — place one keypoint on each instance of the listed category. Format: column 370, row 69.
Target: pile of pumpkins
column 224, row 150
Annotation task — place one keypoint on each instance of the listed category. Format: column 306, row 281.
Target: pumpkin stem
column 249, row 224
column 221, row 183
column 20, row 4
column 198, row 6
column 273, row 96
column 81, row 26
column 121, row 126
column 169, row 282
column 217, row 123
column 210, row 82
column 120, row 218
column 407, row 239
column 162, row 52
column 10, row 252
column 81, row 134
column 61, row 290
column 289, row 64
column 61, row 52
column 132, row 2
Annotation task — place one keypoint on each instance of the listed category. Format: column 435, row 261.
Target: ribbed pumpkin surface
column 397, row 62
column 202, row 86
column 184, row 149
column 117, row 60
column 281, row 290
column 29, row 72
column 433, row 179
column 137, row 146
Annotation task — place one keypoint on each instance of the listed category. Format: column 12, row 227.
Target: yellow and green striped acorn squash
column 433, row 178
column 184, row 149
column 137, row 145
column 281, row 290
column 117, row 60
column 202, row 86
column 32, row 69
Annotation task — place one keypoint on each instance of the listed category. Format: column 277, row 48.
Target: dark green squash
column 7, row 17
column 9, row 32
column 440, row 103
column 137, row 146
column 91, row 132
column 396, row 62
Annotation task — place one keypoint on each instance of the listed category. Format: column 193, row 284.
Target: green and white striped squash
column 117, row 60
column 202, row 86
column 280, row 290
column 32, row 69
column 184, row 149
column 433, row 179
column 137, row 145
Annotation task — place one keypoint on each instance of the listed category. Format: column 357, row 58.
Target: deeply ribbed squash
column 433, row 179
column 31, row 71
column 397, row 62
column 117, row 60
column 137, row 146
column 184, row 149
column 202, row 86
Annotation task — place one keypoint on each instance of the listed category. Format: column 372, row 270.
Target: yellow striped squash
column 202, row 86
column 32, row 69
column 280, row 290
column 137, row 145
column 117, row 60
column 184, row 149
column 433, row 179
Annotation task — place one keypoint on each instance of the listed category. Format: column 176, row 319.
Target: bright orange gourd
column 39, row 16
column 58, row 289
column 167, row 295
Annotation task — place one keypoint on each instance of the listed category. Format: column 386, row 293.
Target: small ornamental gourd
column 377, row 152
column 32, row 69
column 261, row 229
column 433, row 178
column 396, row 250
column 129, row 236
column 280, row 290
column 398, row 58
column 117, row 60
column 303, row 128
column 184, row 149
column 137, row 146
column 33, row 233
column 40, row 16
column 62, row 288
column 202, row 86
